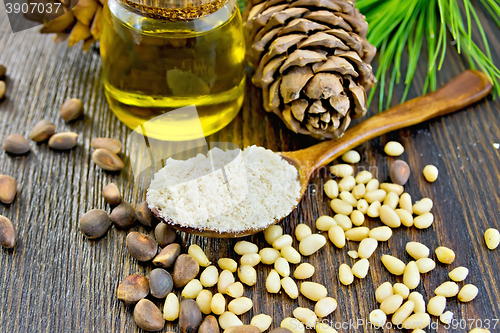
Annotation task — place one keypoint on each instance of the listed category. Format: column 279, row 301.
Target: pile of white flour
column 226, row 191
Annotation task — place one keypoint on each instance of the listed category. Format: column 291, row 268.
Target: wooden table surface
column 55, row 280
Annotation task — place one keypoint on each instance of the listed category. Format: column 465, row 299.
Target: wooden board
column 55, row 280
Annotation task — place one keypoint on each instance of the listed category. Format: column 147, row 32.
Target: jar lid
column 175, row 10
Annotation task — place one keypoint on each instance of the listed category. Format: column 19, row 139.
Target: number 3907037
column 472, row 323
column 31, row 7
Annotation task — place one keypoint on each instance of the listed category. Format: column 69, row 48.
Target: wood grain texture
column 55, row 280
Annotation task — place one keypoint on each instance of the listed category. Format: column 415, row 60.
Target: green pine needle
column 395, row 25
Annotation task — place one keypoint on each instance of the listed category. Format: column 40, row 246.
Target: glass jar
column 177, row 53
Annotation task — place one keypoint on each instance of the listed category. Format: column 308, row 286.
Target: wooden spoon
column 463, row 90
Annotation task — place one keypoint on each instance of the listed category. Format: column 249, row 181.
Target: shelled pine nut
column 383, row 291
column 343, row 221
column 418, row 299
column 357, row 218
column 390, row 187
column 290, row 287
column 393, row 264
column 405, row 217
column 209, row 277
column 227, row 264
column 337, row 236
column 389, row 217
column 366, row 247
column 204, row 301
column 247, row 275
column 312, row 290
column 324, row 328
column 373, row 210
column 357, row 234
column 311, row 244
column 345, row 275
column 417, row 320
column 430, row 173
column 268, row 255
column 360, row 268
column 192, row 289
column 417, row 250
column 349, row 198
column 282, row 241
column 291, row 255
column 447, row 289
column 359, row 191
column 436, row 305
column 445, row 255
column 351, row 157
column 411, row 275
column 251, row 259
column 372, row 185
column 403, row 313
column 340, row 207
column 363, row 206
column 199, row 255
column 218, row 305
column 235, row 290
column 423, row 221
column 353, row 254
column 272, row 233
column 171, row 308
column 376, row 195
column 347, row 183
column 394, row 148
column 226, row 278
column 324, row 223
column 391, row 304
column 381, row 234
column 331, row 189
column 293, row 324
column 459, row 274
column 302, row 231
column 425, row 265
column 492, row 238
column 325, row 306
column 342, row 170
column 423, row 206
column 306, row 316
column 391, row 200
column 405, row 202
column 229, row 319
column 446, row 318
column 261, row 321
column 378, row 318
column 244, row 247
column 364, row 177
column 273, row 282
column 240, row 305
column 468, row 293
column 282, row 267
column 304, row 271
column 401, row 289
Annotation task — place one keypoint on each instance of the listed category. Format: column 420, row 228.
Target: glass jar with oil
column 162, row 55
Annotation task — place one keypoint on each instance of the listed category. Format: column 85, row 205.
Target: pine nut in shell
column 123, row 215
column 147, row 316
column 430, row 173
column 306, row 316
column 331, row 189
column 324, row 223
column 302, row 231
column 228, row 320
column 16, row 144
column 384, row 291
column 132, row 289
column 345, row 275
column 378, row 318
column 94, row 223
column 104, row 159
column 282, row 241
column 347, row 184
column 459, row 274
column 389, row 217
column 417, row 250
column 204, row 301
column 251, row 259
column 423, row 221
column 390, row 187
column 42, row 130
column 391, row 304
column 445, row 255
column 349, row 198
column 268, row 256
column 366, row 248
column 417, row 320
column 423, row 206
column 240, row 305
column 337, row 236
column 436, row 305
column 325, row 306
column 293, row 324
column 192, row 289
column 373, row 210
column 357, row 234
column 394, row 265
column 71, row 109
column 3, row 87
column 273, row 282
column 425, row 265
column 272, row 233
column 244, row 247
column 209, row 277
column 351, row 157
column 247, row 275
column 112, row 145
column 418, row 300
column 64, row 141
column 243, row 329
column 304, row 271
column 3, row 70
column 341, row 207
column 311, row 244
column 226, row 278
column 312, row 290
column 399, row 172
column 141, row 246
column 227, row 264
column 199, row 255
column 360, row 268
column 290, row 287
column 8, row 233
column 447, row 289
column 405, row 217
column 261, row 321
column 411, row 275
column 112, row 195
column 394, row 148
column 391, row 200
column 403, row 313
column 405, row 202
column 209, row 325
column 218, row 305
column 282, row 267
column 167, row 256
column 364, row 177
column 468, row 293
column 235, row 290
column 290, row 254
column 401, row 289
column 171, row 308
column 144, row 215
column 160, row 283
column 8, row 189
column 492, row 238
column 357, row 218
column 342, row 170
column 381, row 234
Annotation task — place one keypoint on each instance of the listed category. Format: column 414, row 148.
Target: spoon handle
column 463, row 90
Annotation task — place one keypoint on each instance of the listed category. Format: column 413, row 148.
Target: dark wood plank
column 57, row 281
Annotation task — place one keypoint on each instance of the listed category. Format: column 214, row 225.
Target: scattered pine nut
column 378, row 318
column 401, row 289
column 262, row 322
column 227, row 264
column 492, row 238
column 447, row 289
column 391, row 200
column 226, row 278
column 349, row 198
column 394, row 148
column 345, row 275
column 343, row 221
column 290, row 287
column 272, row 233
column 302, row 231
column 425, row 265
column 199, row 255
column 468, row 293
column 445, row 255
column 417, row 250
column 423, row 206
column 229, row 319
column 282, row 241
column 209, row 277
column 418, row 320
column 430, row 173
column 372, row 185
column 351, row 157
column 268, row 255
column 312, row 290
column 204, row 301
column 374, row 210
column 240, row 305
column 418, row 300
column 391, row 304
column 324, row 223
column 459, row 274
column 251, row 259
column 306, row 316
column 436, row 305
column 171, row 308
column 357, row 218
column 357, row 234
column 405, row 217
column 273, row 282
column 282, row 267
column 366, row 247
column 337, row 236
column 405, row 202
column 384, row 291
column 353, row 254
column 389, row 217
column 393, row 264
column 360, row 268
column 446, row 317
column 293, row 324
column 423, row 221
column 362, row 206
column 192, row 289
column 411, row 275
column 247, row 275
column 376, row 195
column 235, row 290
column 311, row 244
column 390, row 187
column 341, row 170
column 218, row 305
column 364, row 177
column 381, row 234
column 331, row 189
column 324, row 328
column 347, row 183
column 403, row 313
column 325, row 306
column 291, row 255
column 304, row 271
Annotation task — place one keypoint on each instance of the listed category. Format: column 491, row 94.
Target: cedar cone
column 81, row 21
column 312, row 62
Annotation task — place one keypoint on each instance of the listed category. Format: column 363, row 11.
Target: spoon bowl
column 463, row 90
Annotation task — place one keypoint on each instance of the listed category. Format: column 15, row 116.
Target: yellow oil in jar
column 153, row 66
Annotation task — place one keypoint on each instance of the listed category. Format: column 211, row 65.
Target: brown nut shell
column 16, row 144
column 141, row 246
column 8, row 234
column 144, row 215
column 147, row 316
column 111, row 194
column 164, row 234
column 71, row 109
column 186, row 268
column 8, row 189
column 123, row 215
column 3, row 70
column 189, row 316
column 42, row 130
column 95, row 223
column 107, row 160
column 243, row 329
column 209, row 325
column 166, row 258
column 160, row 283
column 112, row 145
column 132, row 289
column 3, row 87
column 63, row 140
column 399, row 172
